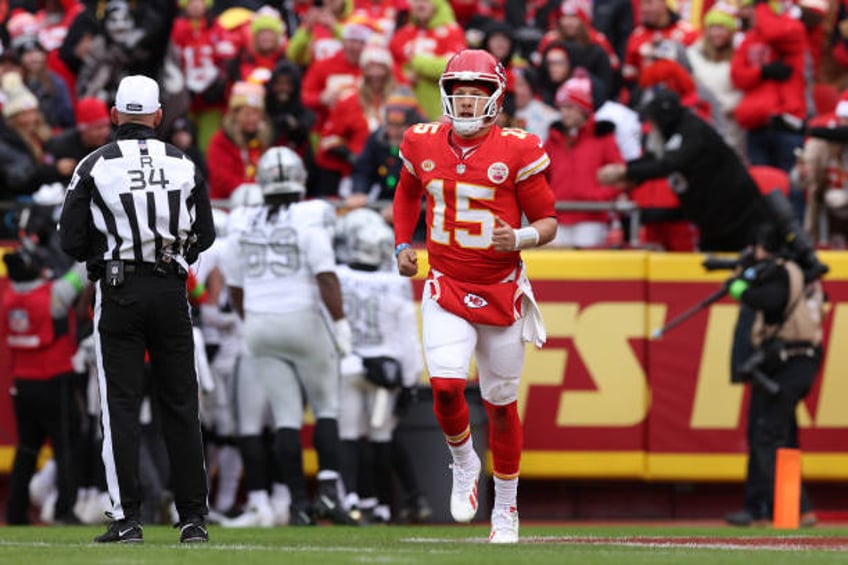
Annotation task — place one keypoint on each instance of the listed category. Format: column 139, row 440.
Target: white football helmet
column 473, row 66
column 281, row 171
column 368, row 239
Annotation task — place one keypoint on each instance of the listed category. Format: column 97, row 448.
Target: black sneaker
column 300, row 515
column 328, row 505
column 122, row 531
column 193, row 530
column 416, row 510
column 745, row 518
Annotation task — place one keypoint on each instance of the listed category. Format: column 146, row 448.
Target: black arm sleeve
column 838, row 133
column 682, row 149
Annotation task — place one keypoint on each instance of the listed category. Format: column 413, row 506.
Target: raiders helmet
column 281, row 171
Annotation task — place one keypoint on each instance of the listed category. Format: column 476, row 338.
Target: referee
column 137, row 211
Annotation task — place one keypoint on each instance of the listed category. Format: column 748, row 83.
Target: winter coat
column 715, row 190
column 575, row 161
column 773, row 38
column 425, row 48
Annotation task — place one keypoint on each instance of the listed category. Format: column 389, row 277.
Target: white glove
column 84, row 355
column 344, row 336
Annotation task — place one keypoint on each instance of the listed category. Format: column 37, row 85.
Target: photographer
column 786, row 336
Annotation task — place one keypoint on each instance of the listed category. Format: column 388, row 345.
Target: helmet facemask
column 451, row 103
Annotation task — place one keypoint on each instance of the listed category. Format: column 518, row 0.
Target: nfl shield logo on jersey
column 18, row 320
column 498, row 172
column 474, row 301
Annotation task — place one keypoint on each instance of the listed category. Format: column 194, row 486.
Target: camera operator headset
column 786, row 337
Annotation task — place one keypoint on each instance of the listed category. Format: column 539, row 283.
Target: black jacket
column 716, row 191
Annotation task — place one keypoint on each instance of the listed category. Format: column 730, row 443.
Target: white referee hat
column 137, row 94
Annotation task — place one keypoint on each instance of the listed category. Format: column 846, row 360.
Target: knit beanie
column 90, row 111
column 17, row 97
column 721, row 14
column 247, row 94
column 184, row 3
column 376, row 54
column 582, row 9
column 402, row 108
column 266, row 20
column 576, row 91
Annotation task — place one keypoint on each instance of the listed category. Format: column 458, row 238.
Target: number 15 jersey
column 501, row 175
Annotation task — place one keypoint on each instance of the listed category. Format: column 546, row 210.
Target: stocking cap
column 721, row 14
column 90, row 111
column 582, row 9
column 247, row 94
column 18, row 97
column 576, row 91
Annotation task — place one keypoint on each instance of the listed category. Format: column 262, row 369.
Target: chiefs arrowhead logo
column 474, row 301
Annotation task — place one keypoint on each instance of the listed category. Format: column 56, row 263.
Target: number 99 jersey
column 468, row 187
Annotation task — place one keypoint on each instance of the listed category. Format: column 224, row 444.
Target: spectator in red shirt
column 353, row 118
column 423, row 46
column 267, row 45
column 657, row 22
column 578, row 148
column 769, row 67
column 325, row 81
column 245, row 134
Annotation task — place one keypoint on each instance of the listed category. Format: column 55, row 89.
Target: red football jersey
column 499, row 177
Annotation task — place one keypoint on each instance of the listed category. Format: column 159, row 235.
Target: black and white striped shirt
column 135, row 198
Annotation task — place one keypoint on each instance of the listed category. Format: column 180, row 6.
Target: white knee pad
column 500, row 392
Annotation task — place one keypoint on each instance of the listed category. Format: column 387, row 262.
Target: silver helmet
column 281, row 171
column 368, row 239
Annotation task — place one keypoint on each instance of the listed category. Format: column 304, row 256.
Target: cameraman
column 787, row 337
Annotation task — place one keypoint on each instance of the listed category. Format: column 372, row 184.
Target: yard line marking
column 783, row 543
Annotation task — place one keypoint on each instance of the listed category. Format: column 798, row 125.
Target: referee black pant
column 148, row 312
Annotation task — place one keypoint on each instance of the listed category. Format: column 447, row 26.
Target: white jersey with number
column 275, row 259
column 381, row 312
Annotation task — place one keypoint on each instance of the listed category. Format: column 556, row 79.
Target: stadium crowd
column 337, row 82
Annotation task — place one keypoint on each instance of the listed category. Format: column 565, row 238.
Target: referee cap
column 137, row 94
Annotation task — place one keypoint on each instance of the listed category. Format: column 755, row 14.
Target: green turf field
column 434, row 545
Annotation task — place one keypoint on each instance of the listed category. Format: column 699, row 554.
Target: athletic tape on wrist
column 526, row 237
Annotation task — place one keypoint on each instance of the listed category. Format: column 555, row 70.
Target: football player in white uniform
column 386, row 357
column 282, row 278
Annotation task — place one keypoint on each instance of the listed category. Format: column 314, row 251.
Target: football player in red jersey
column 478, row 179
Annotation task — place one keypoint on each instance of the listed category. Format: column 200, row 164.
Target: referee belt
column 160, row 270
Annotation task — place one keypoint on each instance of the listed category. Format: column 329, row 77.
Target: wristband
column 400, row 247
column 526, row 237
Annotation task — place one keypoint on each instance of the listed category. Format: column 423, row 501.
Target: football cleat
column 504, row 525
column 122, row 531
column 464, row 501
column 328, row 505
column 193, row 530
column 253, row 517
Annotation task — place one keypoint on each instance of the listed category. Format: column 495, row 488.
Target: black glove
column 777, row 70
column 96, row 268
